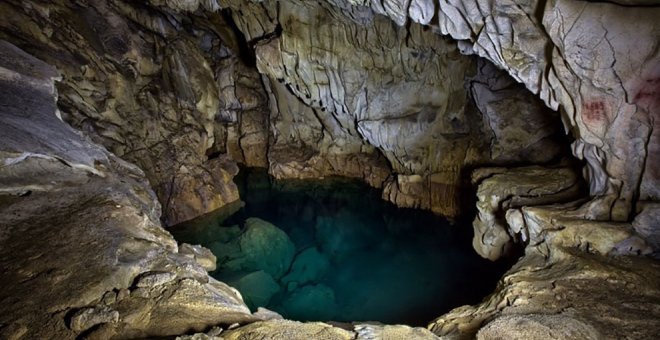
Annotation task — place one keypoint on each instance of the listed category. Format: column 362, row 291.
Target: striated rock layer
column 136, row 82
column 576, row 56
column 353, row 95
column 360, row 88
column 82, row 248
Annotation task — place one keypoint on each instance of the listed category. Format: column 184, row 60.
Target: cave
column 212, row 169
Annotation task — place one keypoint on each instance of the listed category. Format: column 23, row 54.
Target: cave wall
column 366, row 89
column 307, row 89
column 185, row 91
column 574, row 55
column 597, row 61
column 82, row 248
column 141, row 82
column 372, row 89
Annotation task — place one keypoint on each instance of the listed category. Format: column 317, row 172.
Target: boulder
column 260, row 246
column 257, row 288
column 311, row 302
column 308, row 266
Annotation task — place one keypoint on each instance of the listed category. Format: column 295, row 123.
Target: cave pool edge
column 332, row 250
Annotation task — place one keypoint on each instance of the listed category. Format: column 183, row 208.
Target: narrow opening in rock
column 332, row 249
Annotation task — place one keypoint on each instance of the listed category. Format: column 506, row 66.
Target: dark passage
column 333, row 250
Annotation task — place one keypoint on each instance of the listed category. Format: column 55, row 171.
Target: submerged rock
column 261, row 246
column 257, row 288
column 309, row 265
column 311, row 302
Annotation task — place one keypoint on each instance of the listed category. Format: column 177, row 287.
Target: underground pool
column 333, row 250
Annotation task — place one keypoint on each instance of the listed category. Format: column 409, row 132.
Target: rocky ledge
column 84, row 254
column 577, row 279
column 82, row 248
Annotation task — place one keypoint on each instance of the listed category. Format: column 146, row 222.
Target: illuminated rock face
column 81, row 231
column 354, row 84
column 140, row 86
column 575, row 56
column 572, row 55
column 313, row 91
column 374, row 89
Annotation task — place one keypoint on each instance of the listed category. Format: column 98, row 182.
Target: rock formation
column 136, row 82
column 83, row 251
column 156, row 102
column 576, row 56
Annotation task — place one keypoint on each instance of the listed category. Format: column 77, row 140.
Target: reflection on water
column 333, row 250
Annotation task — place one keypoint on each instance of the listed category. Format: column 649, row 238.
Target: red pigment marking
column 593, row 111
column 649, row 93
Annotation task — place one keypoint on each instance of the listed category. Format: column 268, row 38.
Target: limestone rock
column 519, row 126
column 537, row 326
column 128, row 88
column 502, row 189
column 38, row 136
column 389, row 332
column 266, row 314
column 153, row 279
column 647, row 224
column 587, row 70
column 104, row 215
column 571, row 275
column 242, row 123
column 350, row 92
column 438, row 192
column 213, row 334
column 339, row 102
column 354, row 88
column 285, row 329
column 201, row 255
column 87, row 318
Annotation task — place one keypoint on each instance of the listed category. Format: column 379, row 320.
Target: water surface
column 332, row 249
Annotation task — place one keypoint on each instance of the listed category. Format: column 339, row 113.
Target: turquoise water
column 332, row 250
